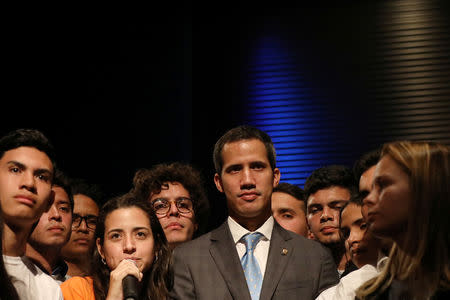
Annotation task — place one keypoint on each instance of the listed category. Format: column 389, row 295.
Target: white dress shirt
column 261, row 251
column 347, row 286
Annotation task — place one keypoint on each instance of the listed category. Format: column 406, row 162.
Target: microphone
column 130, row 288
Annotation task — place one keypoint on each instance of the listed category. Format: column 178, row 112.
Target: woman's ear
column 99, row 248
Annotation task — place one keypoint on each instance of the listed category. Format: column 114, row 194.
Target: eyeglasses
column 91, row 221
column 162, row 206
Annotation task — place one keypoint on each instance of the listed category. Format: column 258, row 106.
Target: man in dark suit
column 219, row 264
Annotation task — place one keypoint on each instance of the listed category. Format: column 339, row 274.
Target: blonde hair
column 422, row 262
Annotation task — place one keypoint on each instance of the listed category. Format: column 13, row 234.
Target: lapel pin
column 284, row 251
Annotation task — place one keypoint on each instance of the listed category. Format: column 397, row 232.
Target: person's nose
column 326, row 215
column 28, row 181
column 247, row 179
column 83, row 226
column 353, row 238
column 129, row 244
column 371, row 199
column 54, row 213
column 173, row 210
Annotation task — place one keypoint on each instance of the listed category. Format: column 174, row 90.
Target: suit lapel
column 280, row 252
column 224, row 254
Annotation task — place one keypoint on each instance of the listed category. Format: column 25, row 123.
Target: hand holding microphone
column 124, row 281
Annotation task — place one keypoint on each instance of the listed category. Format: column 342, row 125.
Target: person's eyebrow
column 358, row 221
column 160, row 199
column 233, row 167
column 17, row 164
column 338, row 201
column 258, row 163
column 24, row 167
column 133, row 230
column 284, row 210
column 140, row 228
column 43, row 171
column 314, row 205
column 114, row 230
column 63, row 201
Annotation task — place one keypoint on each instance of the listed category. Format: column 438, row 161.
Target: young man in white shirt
column 26, row 175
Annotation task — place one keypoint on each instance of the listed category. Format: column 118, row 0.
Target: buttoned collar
column 237, row 231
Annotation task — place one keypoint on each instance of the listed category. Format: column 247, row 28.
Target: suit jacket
column 209, row 268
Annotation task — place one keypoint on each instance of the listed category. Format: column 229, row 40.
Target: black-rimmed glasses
column 90, row 220
column 162, row 206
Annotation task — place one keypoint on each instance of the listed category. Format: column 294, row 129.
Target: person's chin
column 330, row 239
column 177, row 237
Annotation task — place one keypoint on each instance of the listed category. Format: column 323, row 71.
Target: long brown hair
column 422, row 262
column 158, row 280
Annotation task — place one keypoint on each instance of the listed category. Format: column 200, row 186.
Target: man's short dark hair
column 365, row 162
column 81, row 186
column 243, row 132
column 291, row 189
column 330, row 176
column 27, row 138
column 63, row 181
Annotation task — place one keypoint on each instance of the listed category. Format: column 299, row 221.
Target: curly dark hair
column 329, row 176
column 158, row 280
column 151, row 181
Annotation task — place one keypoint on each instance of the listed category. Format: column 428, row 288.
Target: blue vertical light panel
column 280, row 102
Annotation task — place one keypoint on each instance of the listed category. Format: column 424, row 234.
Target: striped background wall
column 410, row 71
column 391, row 82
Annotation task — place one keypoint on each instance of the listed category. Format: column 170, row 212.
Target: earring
column 103, row 261
column 156, row 256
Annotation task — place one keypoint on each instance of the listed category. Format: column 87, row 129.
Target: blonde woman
column 409, row 203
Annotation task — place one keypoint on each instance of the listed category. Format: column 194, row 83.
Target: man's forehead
column 283, row 199
column 328, row 195
column 29, row 157
column 365, row 182
column 84, row 204
column 60, row 190
column 351, row 213
column 246, row 148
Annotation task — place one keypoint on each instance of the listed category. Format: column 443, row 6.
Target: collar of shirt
column 60, row 269
column 237, row 231
column 262, row 248
column 381, row 263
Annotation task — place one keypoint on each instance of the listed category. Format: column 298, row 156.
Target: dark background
column 117, row 94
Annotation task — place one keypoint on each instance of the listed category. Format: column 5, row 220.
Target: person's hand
column 125, row 267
